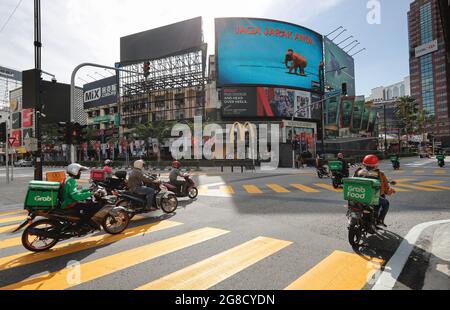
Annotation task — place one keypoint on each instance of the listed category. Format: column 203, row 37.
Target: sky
column 78, row 31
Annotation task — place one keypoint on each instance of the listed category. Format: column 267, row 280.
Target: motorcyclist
column 371, row 171
column 71, row 194
column 174, row 174
column 345, row 169
column 107, row 169
column 137, row 182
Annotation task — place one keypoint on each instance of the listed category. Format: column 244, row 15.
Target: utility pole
column 37, row 60
column 322, row 112
column 385, row 132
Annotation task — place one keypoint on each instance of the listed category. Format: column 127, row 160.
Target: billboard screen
column 102, row 92
column 358, row 114
column 347, row 112
column 257, row 52
column 162, row 42
column 335, row 59
column 267, row 102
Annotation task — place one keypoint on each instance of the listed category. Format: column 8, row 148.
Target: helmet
column 371, row 161
column 75, row 169
column 341, row 156
column 108, row 162
column 176, row 164
column 139, row 164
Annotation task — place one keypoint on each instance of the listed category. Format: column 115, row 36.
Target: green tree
column 160, row 131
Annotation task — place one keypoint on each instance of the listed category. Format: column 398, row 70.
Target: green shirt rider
column 71, row 194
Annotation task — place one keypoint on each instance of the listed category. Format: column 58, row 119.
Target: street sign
column 31, row 144
column 11, row 141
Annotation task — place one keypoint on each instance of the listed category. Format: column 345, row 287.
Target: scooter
column 395, row 163
column 441, row 161
column 322, row 172
column 189, row 189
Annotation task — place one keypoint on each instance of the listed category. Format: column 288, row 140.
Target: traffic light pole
column 72, row 95
column 37, row 57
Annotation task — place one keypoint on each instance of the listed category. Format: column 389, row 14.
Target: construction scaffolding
column 174, row 89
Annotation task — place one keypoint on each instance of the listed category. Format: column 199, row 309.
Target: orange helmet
column 176, row 164
column 371, row 161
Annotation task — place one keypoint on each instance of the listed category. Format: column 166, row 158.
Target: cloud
column 77, row 31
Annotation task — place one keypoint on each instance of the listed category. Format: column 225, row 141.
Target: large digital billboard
column 339, row 68
column 261, row 52
column 267, row 102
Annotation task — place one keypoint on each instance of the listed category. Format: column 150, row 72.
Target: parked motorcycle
column 134, row 204
column 62, row 224
column 189, row 189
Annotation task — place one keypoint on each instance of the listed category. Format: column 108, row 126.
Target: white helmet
column 139, row 164
column 75, row 169
column 108, row 162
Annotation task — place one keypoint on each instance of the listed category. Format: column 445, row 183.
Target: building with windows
column 429, row 65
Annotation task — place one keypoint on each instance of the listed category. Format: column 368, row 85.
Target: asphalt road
column 245, row 231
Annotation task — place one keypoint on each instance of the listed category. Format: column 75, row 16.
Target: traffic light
column 146, row 69
column 344, row 89
column 3, row 132
column 66, row 132
column 79, row 133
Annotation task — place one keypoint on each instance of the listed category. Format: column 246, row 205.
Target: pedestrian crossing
column 402, row 186
column 340, row 270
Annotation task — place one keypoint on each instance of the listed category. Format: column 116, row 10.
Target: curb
column 394, row 267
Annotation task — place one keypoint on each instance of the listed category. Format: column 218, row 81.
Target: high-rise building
column 429, row 65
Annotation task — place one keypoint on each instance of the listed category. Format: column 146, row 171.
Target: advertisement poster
column 340, row 68
column 365, row 118
column 27, row 117
column 347, row 109
column 357, row 115
column 16, row 120
column 281, row 102
column 332, row 111
column 263, row 52
column 239, row 102
column 17, row 134
column 306, row 137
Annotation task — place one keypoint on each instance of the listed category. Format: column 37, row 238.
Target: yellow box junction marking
column 214, row 270
column 305, row 188
column 339, row 271
column 277, row 188
column 329, row 187
column 252, row 189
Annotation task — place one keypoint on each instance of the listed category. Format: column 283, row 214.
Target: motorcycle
column 337, row 178
column 134, row 204
column 441, row 161
column 395, row 163
column 63, row 224
column 189, row 189
column 119, row 182
column 322, row 172
column 362, row 221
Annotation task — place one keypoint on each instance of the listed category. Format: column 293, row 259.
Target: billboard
column 161, row 42
column 27, row 117
column 358, row 111
column 266, row 102
column 335, row 59
column 102, row 92
column 16, row 120
column 263, row 52
column 10, row 74
column 347, row 112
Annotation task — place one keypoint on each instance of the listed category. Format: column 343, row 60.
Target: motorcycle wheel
column 169, row 204
column 115, row 225
column 193, row 192
column 335, row 184
column 34, row 245
column 354, row 236
column 320, row 175
column 125, row 204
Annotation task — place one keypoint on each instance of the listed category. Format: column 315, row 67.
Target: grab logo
column 357, row 192
column 42, row 199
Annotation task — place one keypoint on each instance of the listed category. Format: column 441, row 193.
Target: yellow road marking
column 203, row 190
column 101, row 267
column 305, row 188
column 214, row 270
column 339, row 271
column 420, row 188
column 226, row 190
column 277, row 188
column 7, row 243
column 401, row 190
column 7, row 229
column 418, row 171
column 440, row 171
column 405, row 180
column 12, row 212
column 328, row 187
column 12, row 219
column 26, row 258
column 434, row 184
column 252, row 189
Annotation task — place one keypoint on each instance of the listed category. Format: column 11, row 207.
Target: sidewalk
column 13, row 194
column 437, row 276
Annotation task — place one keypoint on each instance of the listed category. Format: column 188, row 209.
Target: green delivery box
column 42, row 195
column 335, row 165
column 440, row 157
column 362, row 190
